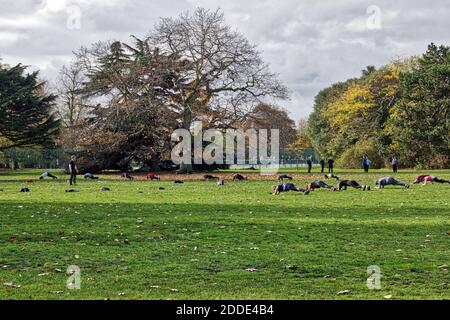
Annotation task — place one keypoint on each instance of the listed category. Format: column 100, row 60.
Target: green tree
column 420, row 121
column 25, row 109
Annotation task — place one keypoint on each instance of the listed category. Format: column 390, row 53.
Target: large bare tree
column 227, row 75
column 71, row 105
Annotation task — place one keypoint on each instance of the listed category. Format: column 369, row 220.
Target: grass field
column 202, row 241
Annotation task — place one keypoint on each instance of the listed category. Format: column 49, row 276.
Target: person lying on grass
column 126, row 175
column 283, row 177
column 286, row 187
column 152, row 176
column 208, row 177
column 390, row 181
column 344, row 184
column 90, row 176
column 428, row 178
column 331, row 175
column 320, row 184
column 47, row 175
column 239, row 177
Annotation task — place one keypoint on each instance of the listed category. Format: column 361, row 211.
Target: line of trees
column 117, row 103
column 401, row 110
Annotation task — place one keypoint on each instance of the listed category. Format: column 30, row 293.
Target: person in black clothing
column 330, row 176
column 282, row 177
column 322, row 166
column 73, row 171
column 286, row 187
column 331, row 165
column 309, row 162
column 320, row 184
column 352, row 183
column 239, row 177
column 395, row 164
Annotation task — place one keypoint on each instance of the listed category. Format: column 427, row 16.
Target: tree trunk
column 186, row 168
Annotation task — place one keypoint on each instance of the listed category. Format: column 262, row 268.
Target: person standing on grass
column 395, row 164
column 309, row 162
column 73, row 170
column 331, row 165
column 322, row 166
column 366, row 163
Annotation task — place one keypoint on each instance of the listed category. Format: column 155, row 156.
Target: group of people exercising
column 280, row 188
column 344, row 184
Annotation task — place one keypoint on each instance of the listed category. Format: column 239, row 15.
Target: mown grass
column 199, row 240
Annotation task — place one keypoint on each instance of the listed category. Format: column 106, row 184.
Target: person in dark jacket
column 283, row 177
column 73, row 170
column 395, row 164
column 309, row 162
column 319, row 185
column 331, row 165
column 286, row 187
column 322, row 166
column 344, row 184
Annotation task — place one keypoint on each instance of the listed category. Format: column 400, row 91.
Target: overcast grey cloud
column 311, row 44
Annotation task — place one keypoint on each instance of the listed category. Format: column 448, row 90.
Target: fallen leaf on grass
column 251, row 270
column 444, row 266
column 388, row 297
column 344, row 292
column 174, row 290
column 292, row 267
column 11, row 285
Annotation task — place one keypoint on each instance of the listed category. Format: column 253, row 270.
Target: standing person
column 322, row 166
column 331, row 165
column 395, row 163
column 309, row 162
column 73, row 170
column 366, row 163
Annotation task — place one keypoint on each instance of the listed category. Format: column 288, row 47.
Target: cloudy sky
column 310, row 43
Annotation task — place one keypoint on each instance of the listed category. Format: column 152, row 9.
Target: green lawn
column 202, row 241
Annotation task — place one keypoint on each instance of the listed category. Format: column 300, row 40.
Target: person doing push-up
column 286, row 187
column 390, row 181
column 344, row 184
column 320, row 184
